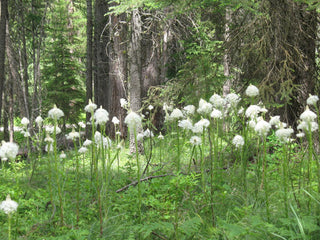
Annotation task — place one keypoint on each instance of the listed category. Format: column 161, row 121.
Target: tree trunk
column 226, row 57
column 117, row 49
column 3, row 20
column 135, row 69
column 89, row 75
column 150, row 59
column 101, row 66
column 15, row 76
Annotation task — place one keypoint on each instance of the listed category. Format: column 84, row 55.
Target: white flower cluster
column 9, row 206
column 252, row 91
column 101, row 116
column 238, row 141
column 308, row 121
column 8, row 150
column 55, row 113
column 73, row 135
column 133, row 121
column 102, row 141
column 90, row 107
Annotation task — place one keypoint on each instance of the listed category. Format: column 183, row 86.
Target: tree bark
column 3, row 20
column 135, row 70
column 89, row 59
column 117, row 49
column 101, row 66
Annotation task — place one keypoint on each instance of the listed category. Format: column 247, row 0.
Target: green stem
column 57, row 172
column 77, row 181
column 9, row 226
column 138, row 175
column 285, row 165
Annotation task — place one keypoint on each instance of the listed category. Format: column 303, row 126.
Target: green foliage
column 64, row 83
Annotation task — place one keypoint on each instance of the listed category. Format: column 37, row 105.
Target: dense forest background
column 66, row 52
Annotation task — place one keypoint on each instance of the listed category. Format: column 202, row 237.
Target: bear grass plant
column 224, row 169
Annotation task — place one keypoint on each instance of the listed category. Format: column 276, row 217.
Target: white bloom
column 140, row 137
column 241, row 110
column 26, row 133
column 102, row 141
column 189, row 109
column 252, row 91
column 55, row 113
column 50, row 129
column 312, row 100
column 48, row 139
column 82, row 124
column 176, row 114
column 161, row 137
column 185, row 124
column 308, row 115
column 118, row 133
column 253, row 111
column 133, row 120
column 306, row 126
column 167, row 107
column 150, row 107
column 147, row 133
column 48, row 148
column 238, row 141
column 83, row 150
column 284, row 134
column 39, row 121
column 300, row 135
column 252, row 123
column 198, row 126
column 195, row 140
column 90, row 107
column 216, row 113
column 217, row 101
column 8, row 206
column 115, row 120
column 87, row 143
column 25, row 121
column 63, row 155
column 73, row 135
column 8, row 150
column 101, row 116
column 204, row 107
column 275, row 120
column 233, row 99
column 123, row 103
column 262, row 128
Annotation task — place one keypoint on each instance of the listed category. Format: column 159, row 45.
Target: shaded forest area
column 150, row 52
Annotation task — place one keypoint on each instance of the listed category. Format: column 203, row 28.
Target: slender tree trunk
column 89, row 75
column 226, row 57
column 3, row 20
column 135, row 69
column 15, row 76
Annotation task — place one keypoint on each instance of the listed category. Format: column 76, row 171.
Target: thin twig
column 142, row 180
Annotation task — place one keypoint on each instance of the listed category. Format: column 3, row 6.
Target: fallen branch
column 142, row 180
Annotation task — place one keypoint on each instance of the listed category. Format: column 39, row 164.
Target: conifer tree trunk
column 135, row 68
column 89, row 75
column 117, row 49
column 101, row 66
column 3, row 20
